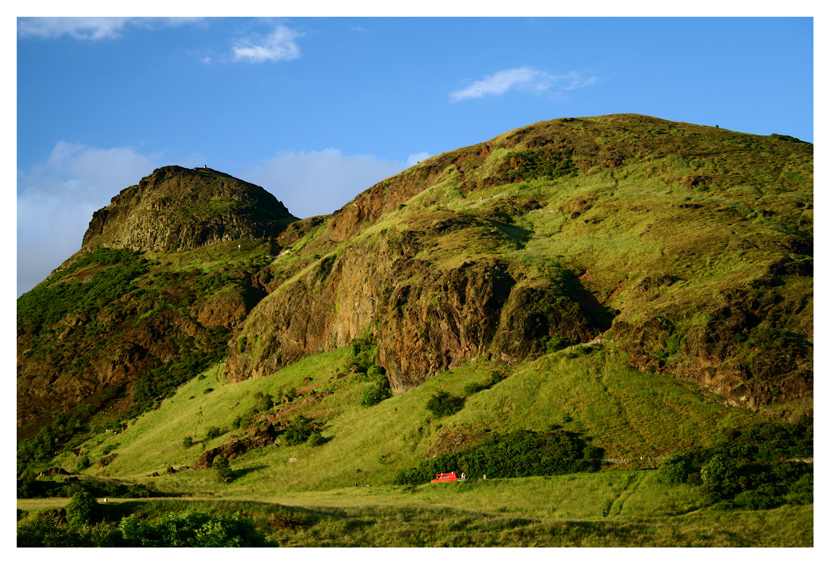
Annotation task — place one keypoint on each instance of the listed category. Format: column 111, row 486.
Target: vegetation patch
column 512, row 455
column 764, row 466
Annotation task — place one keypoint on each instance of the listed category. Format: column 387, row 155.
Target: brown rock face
column 425, row 318
column 178, row 208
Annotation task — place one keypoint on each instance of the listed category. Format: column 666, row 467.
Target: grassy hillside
column 306, row 495
column 627, row 413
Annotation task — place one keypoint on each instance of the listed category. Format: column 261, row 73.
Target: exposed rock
column 179, row 208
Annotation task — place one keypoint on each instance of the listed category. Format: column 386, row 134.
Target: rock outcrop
column 178, row 208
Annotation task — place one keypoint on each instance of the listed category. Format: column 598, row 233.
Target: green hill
column 581, row 294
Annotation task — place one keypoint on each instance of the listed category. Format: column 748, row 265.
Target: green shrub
column 316, row 438
column 675, row 469
column 263, row 401
column 556, row 343
column 222, row 467
column 82, row 509
column 187, row 442
column 512, row 455
column 750, row 468
column 109, row 448
column 213, row 432
column 83, row 464
column 190, row 529
column 363, row 353
column 765, row 497
column 443, row 404
column 375, row 395
column 298, row 430
column 289, row 395
column 475, row 387
column 43, row 529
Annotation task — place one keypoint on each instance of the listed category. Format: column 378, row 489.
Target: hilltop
column 674, row 251
column 128, row 317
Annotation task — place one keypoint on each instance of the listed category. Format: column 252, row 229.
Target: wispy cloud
column 90, row 28
column 278, row 46
column 79, row 28
column 525, row 79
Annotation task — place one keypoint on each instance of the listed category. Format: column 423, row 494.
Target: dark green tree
column 443, row 404
column 83, row 508
column 222, row 467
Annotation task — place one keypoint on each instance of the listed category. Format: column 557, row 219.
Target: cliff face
column 177, row 208
column 679, row 249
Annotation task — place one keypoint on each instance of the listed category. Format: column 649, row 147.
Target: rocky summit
column 177, row 208
column 677, row 249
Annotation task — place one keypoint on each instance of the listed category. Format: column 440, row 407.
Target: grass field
column 557, row 511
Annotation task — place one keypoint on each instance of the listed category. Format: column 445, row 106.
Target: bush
column 474, row 388
column 298, row 431
column 190, row 529
column 512, row 455
column 317, row 438
column 764, row 497
column 222, row 467
column 109, row 448
column 289, row 395
column 83, row 464
column 263, row 402
column 375, row 395
column 213, row 432
column 675, row 469
column 363, row 353
column 750, row 468
column 187, row 442
column 43, row 529
column 82, row 509
column 443, row 404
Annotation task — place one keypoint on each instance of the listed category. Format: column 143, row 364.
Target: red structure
column 446, row 477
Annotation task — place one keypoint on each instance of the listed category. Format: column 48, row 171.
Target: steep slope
column 691, row 244
column 165, row 272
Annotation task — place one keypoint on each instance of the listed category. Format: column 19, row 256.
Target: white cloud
column 524, row 79
column 279, row 46
column 319, row 182
column 79, row 28
column 56, row 199
column 574, row 80
column 89, row 28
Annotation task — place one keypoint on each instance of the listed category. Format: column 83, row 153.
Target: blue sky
column 317, row 110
